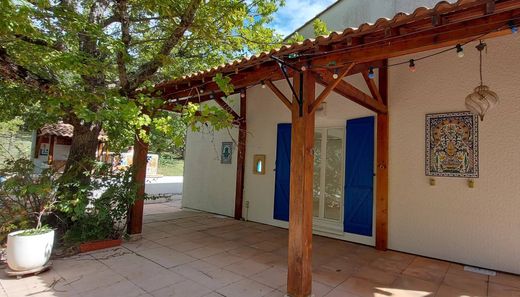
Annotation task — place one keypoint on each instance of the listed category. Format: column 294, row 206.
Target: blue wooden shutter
column 283, row 173
column 359, row 176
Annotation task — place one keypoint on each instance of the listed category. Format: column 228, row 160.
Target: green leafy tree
column 90, row 63
column 320, row 28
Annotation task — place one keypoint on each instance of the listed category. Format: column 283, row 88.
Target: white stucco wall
column 209, row 185
column 450, row 221
column 352, row 13
column 479, row 226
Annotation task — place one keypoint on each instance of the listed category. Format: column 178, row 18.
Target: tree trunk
column 84, row 145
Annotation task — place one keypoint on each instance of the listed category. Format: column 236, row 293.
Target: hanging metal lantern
column 482, row 99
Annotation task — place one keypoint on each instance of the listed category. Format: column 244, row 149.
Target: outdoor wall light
column 471, row 183
column 433, row 182
column 259, row 164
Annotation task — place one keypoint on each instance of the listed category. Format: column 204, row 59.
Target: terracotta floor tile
column 411, row 286
column 166, row 257
column 427, row 269
column 447, row 291
column 359, row 287
column 498, row 290
column 195, row 254
column 467, row 282
column 272, row 277
column 223, row 259
column 183, row 289
column 375, row 275
column 244, row 288
column 506, row 279
column 329, row 276
column 247, row 267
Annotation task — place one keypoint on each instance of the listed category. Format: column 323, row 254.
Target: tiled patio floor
column 192, row 254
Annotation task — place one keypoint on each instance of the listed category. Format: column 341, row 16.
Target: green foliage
column 26, row 199
column 320, row 28
column 98, row 63
column 169, row 165
column 97, row 210
column 35, row 231
column 295, row 38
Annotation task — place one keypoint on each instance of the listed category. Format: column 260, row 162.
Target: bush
column 26, row 199
column 98, row 210
column 93, row 206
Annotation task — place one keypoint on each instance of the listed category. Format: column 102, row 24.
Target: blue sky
column 296, row 12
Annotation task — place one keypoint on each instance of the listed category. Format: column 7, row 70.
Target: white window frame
column 321, row 223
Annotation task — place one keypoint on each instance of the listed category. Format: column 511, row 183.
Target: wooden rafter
column 372, row 86
column 227, row 108
column 325, row 93
column 278, row 93
column 354, row 94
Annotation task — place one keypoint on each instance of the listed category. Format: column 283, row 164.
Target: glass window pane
column 333, row 174
column 317, row 175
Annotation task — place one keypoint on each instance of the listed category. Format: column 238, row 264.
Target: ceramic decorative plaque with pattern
column 452, row 144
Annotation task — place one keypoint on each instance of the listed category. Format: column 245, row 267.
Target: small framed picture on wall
column 226, row 154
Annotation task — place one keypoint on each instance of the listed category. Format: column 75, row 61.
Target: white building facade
column 476, row 226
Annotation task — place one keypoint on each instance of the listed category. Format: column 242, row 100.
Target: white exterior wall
column 450, row 221
column 352, row 13
column 479, row 226
column 209, row 185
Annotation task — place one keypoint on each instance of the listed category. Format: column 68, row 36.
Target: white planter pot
column 27, row 252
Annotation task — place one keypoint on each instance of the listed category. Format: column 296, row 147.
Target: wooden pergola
column 327, row 60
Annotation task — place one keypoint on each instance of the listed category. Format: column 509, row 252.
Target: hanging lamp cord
column 480, row 47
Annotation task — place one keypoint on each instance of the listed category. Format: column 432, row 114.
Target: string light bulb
column 242, row 94
column 263, row 85
column 201, row 90
column 513, row 27
column 412, row 66
column 304, row 68
column 371, row 74
column 460, row 51
column 335, row 75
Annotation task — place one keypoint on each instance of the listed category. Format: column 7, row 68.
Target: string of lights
column 459, row 49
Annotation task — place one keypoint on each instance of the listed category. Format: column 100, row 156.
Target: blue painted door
column 283, row 172
column 359, row 176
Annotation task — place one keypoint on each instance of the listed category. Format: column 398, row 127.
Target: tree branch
column 9, row 70
column 126, row 38
column 148, row 69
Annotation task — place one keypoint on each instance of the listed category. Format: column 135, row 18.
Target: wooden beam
column 459, row 31
column 354, row 94
column 299, row 278
column 278, row 93
column 37, row 146
column 50, row 157
column 226, row 107
column 140, row 160
column 241, row 158
column 382, row 167
column 372, row 85
column 325, row 93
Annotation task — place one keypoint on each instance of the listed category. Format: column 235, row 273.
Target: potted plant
column 26, row 200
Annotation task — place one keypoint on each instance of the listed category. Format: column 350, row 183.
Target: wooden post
column 140, row 159
column 50, row 157
column 241, row 157
column 299, row 278
column 382, row 165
